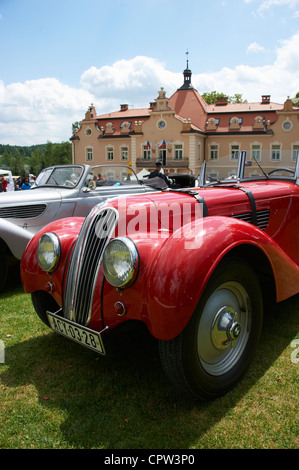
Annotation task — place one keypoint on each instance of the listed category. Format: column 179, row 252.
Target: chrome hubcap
column 224, row 328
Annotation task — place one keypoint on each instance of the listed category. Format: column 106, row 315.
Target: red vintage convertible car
column 195, row 265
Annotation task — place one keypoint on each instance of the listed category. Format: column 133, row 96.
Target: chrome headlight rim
column 49, row 263
column 132, row 271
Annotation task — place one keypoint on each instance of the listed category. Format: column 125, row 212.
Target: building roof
column 233, row 108
column 188, row 104
column 125, row 114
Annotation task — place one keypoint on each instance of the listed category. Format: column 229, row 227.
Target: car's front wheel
column 4, row 268
column 214, row 350
column 43, row 302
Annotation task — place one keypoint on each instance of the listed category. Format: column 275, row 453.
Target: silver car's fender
column 15, row 237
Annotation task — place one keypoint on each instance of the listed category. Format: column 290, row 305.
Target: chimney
column 124, row 107
column 266, row 99
column 222, row 101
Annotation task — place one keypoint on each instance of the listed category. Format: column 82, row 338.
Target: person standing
column 4, row 184
column 157, row 172
column 26, row 184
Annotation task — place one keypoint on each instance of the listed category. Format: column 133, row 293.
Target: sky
column 57, row 57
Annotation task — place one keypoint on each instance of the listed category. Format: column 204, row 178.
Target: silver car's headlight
column 120, row 262
column 48, row 252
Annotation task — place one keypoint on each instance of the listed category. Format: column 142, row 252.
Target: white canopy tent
column 8, row 176
column 142, row 173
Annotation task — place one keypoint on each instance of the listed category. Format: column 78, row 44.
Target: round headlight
column 120, row 262
column 48, row 252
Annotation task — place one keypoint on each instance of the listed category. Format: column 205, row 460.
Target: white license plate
column 80, row 334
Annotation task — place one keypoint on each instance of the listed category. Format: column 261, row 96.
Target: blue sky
column 58, row 57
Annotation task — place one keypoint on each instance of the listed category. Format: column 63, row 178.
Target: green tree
column 75, row 126
column 211, row 98
column 14, row 161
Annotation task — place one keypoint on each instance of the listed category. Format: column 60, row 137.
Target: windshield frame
column 240, row 173
column 46, row 178
column 42, row 180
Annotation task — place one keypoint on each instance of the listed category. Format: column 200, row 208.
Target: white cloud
column 255, row 47
column 142, row 75
column 36, row 111
column 280, row 79
column 39, row 110
column 266, row 4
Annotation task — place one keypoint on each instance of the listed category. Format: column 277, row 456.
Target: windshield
column 111, row 175
column 69, row 176
column 239, row 167
column 65, row 176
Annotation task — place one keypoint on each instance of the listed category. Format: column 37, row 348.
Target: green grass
column 56, row 394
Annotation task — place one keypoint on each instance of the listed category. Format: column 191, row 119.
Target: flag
column 162, row 145
column 148, row 145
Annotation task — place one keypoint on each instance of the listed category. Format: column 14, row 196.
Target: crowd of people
column 7, row 183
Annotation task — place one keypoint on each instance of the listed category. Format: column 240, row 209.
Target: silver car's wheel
column 214, row 350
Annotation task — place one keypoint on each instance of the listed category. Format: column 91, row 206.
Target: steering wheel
column 92, row 185
column 281, row 169
column 69, row 183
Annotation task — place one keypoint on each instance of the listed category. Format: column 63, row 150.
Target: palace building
column 183, row 131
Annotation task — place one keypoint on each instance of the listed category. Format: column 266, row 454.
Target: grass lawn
column 56, row 394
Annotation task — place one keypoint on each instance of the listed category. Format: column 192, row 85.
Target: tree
column 75, row 126
column 211, row 98
column 13, row 161
column 23, row 160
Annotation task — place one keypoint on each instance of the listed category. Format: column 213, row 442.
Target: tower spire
column 187, row 76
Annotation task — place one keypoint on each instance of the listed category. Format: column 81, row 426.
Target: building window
column 214, row 152
column 235, row 120
column 162, row 156
column 275, row 153
column 109, row 154
column 124, row 154
column 256, row 152
column 89, row 154
column 295, row 152
column 287, row 125
column 199, row 152
column 178, row 152
column 235, row 149
column 146, row 153
column 125, row 127
column 161, row 124
column 88, row 132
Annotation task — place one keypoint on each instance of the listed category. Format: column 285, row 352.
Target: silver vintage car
column 58, row 192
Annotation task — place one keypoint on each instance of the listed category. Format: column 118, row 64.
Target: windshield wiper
column 264, row 173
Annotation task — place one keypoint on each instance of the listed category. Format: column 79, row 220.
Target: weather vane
column 187, row 54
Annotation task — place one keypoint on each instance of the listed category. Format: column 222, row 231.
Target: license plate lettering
column 80, row 334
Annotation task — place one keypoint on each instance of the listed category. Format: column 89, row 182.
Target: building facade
column 183, row 131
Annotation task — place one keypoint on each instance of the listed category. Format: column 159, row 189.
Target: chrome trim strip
column 85, row 263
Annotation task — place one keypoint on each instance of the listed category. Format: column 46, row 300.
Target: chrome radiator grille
column 22, row 212
column 85, row 263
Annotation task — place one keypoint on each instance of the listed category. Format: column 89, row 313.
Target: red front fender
column 32, row 276
column 184, row 264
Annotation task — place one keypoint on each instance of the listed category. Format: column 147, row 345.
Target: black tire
column 4, row 268
column 215, row 349
column 43, row 302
